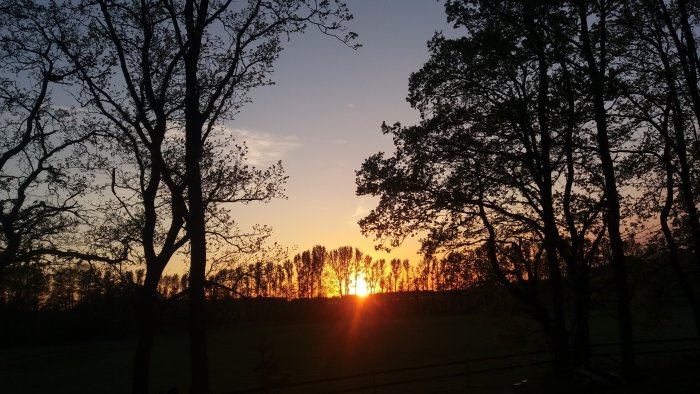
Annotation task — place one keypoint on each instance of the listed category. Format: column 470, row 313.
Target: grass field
column 246, row 355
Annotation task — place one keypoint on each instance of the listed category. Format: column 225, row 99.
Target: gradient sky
column 322, row 119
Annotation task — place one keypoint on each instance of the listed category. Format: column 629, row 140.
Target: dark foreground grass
column 247, row 355
column 268, row 353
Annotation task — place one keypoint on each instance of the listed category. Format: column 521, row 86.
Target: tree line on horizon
column 316, row 272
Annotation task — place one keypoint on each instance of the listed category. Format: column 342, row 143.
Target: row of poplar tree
column 316, row 272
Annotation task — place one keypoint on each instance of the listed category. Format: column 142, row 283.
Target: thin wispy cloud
column 363, row 207
column 265, row 148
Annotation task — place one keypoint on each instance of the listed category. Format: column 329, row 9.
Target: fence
column 459, row 376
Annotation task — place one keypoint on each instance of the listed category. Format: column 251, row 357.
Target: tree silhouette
column 139, row 127
column 407, row 271
column 395, row 265
column 305, row 276
column 339, row 260
column 317, row 264
column 374, row 278
column 367, row 271
column 289, row 277
column 594, row 47
column 181, row 69
column 43, row 150
column 380, row 275
column 334, row 263
column 345, row 257
column 357, row 267
column 501, row 161
column 25, row 287
column 665, row 99
column 454, row 272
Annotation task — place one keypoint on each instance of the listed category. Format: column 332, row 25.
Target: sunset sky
column 322, row 119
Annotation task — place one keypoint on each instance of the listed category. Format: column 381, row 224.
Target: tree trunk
column 195, row 217
column 198, row 260
column 687, row 57
column 581, row 330
column 557, row 343
column 543, row 176
column 146, row 329
column 673, row 254
column 198, row 334
column 616, row 243
column 612, row 198
column 561, row 336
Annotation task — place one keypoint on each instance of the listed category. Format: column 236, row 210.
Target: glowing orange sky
column 322, row 119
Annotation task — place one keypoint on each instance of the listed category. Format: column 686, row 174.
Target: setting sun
column 361, row 289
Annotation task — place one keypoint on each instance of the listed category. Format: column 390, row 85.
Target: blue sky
column 322, row 119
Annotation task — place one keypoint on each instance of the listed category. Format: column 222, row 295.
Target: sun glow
column 361, row 289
